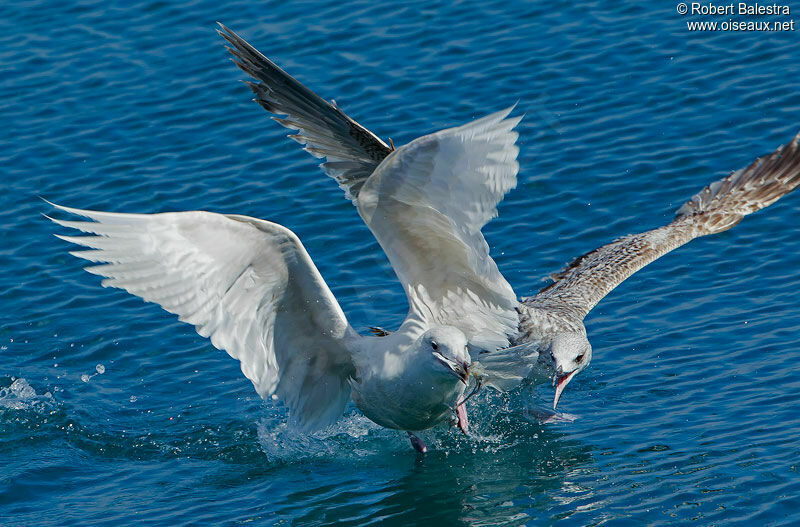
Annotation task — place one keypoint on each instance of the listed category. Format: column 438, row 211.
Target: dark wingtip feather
column 321, row 122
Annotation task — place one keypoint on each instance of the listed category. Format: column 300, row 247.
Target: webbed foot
column 417, row 442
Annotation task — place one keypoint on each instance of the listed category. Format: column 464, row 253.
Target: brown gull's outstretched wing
column 718, row 207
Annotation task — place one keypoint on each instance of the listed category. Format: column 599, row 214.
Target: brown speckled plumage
column 576, row 289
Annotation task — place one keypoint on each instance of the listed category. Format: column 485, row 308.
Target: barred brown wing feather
column 716, row 208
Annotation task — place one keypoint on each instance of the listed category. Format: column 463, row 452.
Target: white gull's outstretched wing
column 717, row 208
column 426, row 204
column 459, row 176
column 247, row 284
column 351, row 151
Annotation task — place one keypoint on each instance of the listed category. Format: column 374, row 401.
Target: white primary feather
column 247, row 284
column 426, row 204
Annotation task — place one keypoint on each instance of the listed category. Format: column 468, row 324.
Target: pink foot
column 461, row 415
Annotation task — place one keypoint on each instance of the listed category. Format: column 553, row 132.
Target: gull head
column 445, row 348
column 571, row 353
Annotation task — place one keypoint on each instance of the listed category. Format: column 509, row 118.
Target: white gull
column 250, row 286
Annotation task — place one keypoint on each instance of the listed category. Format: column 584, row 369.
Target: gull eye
column 580, row 357
column 434, row 345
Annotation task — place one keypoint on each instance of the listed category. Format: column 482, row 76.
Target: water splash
column 353, row 436
column 99, row 370
column 496, row 425
column 20, row 395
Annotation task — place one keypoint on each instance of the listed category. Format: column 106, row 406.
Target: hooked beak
column 458, row 368
column 560, row 380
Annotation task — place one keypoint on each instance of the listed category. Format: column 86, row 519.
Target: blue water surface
column 114, row 413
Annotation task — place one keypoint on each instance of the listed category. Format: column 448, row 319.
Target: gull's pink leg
column 461, row 415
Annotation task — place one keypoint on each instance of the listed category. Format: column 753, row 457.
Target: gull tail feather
column 505, row 369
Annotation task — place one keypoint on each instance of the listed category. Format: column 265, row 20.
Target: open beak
column 561, row 381
column 459, row 368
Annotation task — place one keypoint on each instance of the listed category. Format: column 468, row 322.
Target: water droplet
column 100, row 369
column 132, row 399
column 85, row 378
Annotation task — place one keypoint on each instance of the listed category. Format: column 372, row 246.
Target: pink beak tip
column 560, row 385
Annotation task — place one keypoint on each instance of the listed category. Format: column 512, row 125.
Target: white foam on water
column 352, row 436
